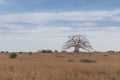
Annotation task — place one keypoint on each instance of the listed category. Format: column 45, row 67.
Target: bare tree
column 77, row 41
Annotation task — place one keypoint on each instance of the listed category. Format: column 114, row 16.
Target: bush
column 118, row 52
column 110, row 51
column 87, row 61
column 2, row 52
column 13, row 55
column 70, row 60
column 105, row 55
column 30, row 53
column 46, row 51
column 20, row 52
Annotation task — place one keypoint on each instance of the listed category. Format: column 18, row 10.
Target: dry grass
column 58, row 67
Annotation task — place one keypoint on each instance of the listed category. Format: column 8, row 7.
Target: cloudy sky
column 31, row 25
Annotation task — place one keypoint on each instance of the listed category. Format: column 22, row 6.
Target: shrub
column 87, row 61
column 70, row 60
column 105, row 55
column 20, row 52
column 13, row 55
column 110, row 51
column 46, row 51
column 2, row 52
column 30, row 53
column 118, row 52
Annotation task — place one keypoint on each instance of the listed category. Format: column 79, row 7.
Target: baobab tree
column 78, row 42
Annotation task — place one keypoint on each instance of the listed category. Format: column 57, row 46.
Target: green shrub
column 46, row 51
column 20, row 52
column 87, row 61
column 13, row 55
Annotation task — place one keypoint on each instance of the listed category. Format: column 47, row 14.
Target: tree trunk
column 76, row 50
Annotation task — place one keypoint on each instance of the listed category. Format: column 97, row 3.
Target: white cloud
column 116, row 18
column 41, row 17
column 102, row 38
column 84, row 24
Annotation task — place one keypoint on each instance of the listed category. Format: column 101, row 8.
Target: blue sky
column 30, row 25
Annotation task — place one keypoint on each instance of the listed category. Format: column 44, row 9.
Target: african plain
column 60, row 66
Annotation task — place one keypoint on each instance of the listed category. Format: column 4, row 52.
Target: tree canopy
column 77, row 41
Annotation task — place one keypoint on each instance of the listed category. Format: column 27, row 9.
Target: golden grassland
column 51, row 66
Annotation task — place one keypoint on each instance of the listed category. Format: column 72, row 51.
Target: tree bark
column 76, row 50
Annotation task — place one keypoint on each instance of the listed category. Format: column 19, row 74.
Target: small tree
column 77, row 41
column 30, row 53
column 13, row 55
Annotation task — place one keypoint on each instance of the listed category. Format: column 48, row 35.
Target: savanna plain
column 60, row 66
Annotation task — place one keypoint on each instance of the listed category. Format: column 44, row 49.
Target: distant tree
column 45, row 51
column 77, row 41
column 13, row 55
column 111, row 51
column 20, row 52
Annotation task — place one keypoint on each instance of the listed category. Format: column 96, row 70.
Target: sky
column 31, row 25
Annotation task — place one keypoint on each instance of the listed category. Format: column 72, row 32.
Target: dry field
column 105, row 66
